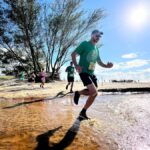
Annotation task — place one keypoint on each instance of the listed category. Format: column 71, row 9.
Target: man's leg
column 42, row 84
column 67, row 85
column 92, row 95
column 71, row 87
column 89, row 83
column 89, row 101
column 85, row 92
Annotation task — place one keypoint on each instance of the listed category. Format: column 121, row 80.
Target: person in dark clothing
column 70, row 76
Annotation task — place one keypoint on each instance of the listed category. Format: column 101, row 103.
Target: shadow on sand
column 45, row 144
column 23, row 89
column 59, row 95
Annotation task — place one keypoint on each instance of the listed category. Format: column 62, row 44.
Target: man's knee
column 93, row 93
column 92, row 90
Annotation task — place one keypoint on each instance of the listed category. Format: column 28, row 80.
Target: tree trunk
column 32, row 52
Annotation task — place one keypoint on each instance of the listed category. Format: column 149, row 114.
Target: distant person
column 32, row 78
column 42, row 78
column 70, row 76
column 22, row 75
column 89, row 55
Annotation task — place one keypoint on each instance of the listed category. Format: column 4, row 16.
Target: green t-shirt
column 70, row 71
column 88, row 56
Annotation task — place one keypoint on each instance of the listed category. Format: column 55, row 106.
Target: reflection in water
column 43, row 139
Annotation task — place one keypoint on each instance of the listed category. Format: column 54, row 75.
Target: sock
column 83, row 111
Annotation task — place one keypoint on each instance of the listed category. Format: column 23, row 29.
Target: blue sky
column 126, row 37
column 125, row 41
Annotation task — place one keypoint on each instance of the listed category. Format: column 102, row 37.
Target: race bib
column 91, row 66
column 71, row 75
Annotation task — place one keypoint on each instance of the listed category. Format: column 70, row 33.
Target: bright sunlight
column 138, row 16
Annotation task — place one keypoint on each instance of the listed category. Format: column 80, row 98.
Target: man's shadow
column 43, row 139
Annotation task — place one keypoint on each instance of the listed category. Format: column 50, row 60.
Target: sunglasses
column 98, row 36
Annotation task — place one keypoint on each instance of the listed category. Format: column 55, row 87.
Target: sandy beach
column 12, row 89
column 35, row 118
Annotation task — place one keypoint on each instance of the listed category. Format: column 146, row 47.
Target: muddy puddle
column 118, row 122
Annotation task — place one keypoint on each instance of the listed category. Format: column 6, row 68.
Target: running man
column 70, row 76
column 89, row 55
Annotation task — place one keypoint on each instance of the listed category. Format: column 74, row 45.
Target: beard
column 95, row 40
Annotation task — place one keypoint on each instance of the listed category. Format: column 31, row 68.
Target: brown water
column 119, row 122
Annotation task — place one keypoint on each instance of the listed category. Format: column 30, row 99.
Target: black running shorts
column 70, row 79
column 88, row 79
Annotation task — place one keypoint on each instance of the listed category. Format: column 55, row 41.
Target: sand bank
column 11, row 90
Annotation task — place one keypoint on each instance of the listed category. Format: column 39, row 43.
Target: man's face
column 96, row 37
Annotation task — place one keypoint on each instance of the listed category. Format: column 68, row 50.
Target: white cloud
column 120, row 73
column 129, row 56
column 146, row 70
column 130, row 64
column 142, row 75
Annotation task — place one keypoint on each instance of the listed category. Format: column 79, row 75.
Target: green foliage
column 23, row 28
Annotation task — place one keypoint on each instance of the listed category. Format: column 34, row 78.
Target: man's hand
column 79, row 69
column 109, row 65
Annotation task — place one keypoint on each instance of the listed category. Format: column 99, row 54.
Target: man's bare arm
column 108, row 65
column 74, row 55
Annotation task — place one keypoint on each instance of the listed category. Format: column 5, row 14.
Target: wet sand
column 29, row 126
column 47, row 121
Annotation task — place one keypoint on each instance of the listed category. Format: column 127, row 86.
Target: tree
column 65, row 23
column 44, row 34
column 21, row 31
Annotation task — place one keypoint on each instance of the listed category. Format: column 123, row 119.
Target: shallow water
column 118, row 122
